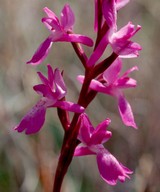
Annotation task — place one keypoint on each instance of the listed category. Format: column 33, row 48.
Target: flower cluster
column 100, row 77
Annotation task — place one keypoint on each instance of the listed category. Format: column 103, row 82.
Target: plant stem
column 69, row 144
column 80, row 53
column 102, row 66
column 70, row 140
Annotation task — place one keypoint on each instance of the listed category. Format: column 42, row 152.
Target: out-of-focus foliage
column 28, row 163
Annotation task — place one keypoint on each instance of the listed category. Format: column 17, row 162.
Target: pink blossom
column 118, row 39
column 92, row 143
column 121, row 43
column 112, row 83
column 52, row 91
column 61, row 30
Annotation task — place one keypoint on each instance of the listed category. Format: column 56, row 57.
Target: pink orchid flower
column 61, row 30
column 52, row 90
column 121, row 43
column 119, row 40
column 92, row 143
column 112, row 83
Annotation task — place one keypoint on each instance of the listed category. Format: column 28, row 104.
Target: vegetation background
column 28, row 163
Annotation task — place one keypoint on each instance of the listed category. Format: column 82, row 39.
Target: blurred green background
column 28, row 163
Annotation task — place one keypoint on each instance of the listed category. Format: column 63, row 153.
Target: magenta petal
column 33, row 120
column 126, row 32
column 95, row 85
column 99, row 87
column 42, row 89
column 50, row 14
column 128, row 50
column 41, row 52
column 45, row 91
column 109, row 12
column 69, row 106
column 50, row 74
column 51, row 24
column 111, row 74
column 67, row 18
column 126, row 112
column 100, row 135
column 43, row 78
column 60, row 86
column 110, row 169
column 126, row 82
column 86, row 129
column 54, row 87
column 77, row 38
column 82, row 150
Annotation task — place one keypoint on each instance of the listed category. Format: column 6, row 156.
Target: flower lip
column 110, row 169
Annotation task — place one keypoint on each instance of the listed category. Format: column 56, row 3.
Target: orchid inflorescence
column 101, row 75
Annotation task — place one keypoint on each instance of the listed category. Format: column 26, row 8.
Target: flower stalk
column 70, row 141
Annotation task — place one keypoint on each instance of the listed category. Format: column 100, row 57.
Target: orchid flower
column 112, row 83
column 52, row 90
column 61, row 30
column 118, row 39
column 92, row 144
column 121, row 43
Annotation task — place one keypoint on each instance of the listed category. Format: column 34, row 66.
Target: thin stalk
column 69, row 144
column 70, row 140
column 80, row 53
column 102, row 66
